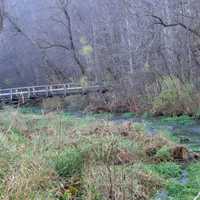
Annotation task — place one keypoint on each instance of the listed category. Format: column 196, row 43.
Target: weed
column 69, row 163
column 167, row 170
column 163, row 154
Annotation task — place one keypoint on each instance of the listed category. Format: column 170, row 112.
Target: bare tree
column 1, row 14
column 63, row 6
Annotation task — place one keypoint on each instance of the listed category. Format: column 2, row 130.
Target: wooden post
column 11, row 95
column 65, row 90
column 33, row 91
column 51, row 90
column 29, row 93
column 47, row 91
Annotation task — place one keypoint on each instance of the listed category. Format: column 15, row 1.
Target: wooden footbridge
column 23, row 94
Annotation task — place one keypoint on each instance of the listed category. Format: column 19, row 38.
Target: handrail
column 47, row 90
column 39, row 86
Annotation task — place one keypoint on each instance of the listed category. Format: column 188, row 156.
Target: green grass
column 171, row 173
column 69, row 163
column 33, row 110
column 182, row 120
column 69, row 157
column 128, row 115
column 163, row 154
column 169, row 135
column 166, row 170
column 103, row 115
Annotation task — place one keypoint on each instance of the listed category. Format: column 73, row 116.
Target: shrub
column 120, row 182
column 174, row 98
column 69, row 163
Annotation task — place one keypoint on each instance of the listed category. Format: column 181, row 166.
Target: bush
column 175, row 98
column 69, row 163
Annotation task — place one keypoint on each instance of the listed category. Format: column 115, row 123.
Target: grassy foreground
column 58, row 156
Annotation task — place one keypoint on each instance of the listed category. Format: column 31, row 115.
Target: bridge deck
column 23, row 93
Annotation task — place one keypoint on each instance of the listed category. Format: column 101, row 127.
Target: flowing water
column 187, row 134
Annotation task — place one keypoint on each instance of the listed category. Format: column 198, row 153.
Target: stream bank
column 181, row 130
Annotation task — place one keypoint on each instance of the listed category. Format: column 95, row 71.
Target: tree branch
column 48, row 45
column 161, row 22
column 64, row 7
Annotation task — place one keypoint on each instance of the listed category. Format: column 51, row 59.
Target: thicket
column 167, row 96
column 175, row 98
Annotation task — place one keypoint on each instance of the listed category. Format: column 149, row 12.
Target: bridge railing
column 46, row 90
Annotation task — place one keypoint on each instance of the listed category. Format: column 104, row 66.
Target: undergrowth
column 62, row 157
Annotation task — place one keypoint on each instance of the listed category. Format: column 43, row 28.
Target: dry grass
column 29, row 179
column 110, row 152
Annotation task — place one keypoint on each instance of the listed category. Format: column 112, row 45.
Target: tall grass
column 58, row 156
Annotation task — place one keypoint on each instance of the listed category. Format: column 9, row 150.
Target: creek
column 187, row 134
